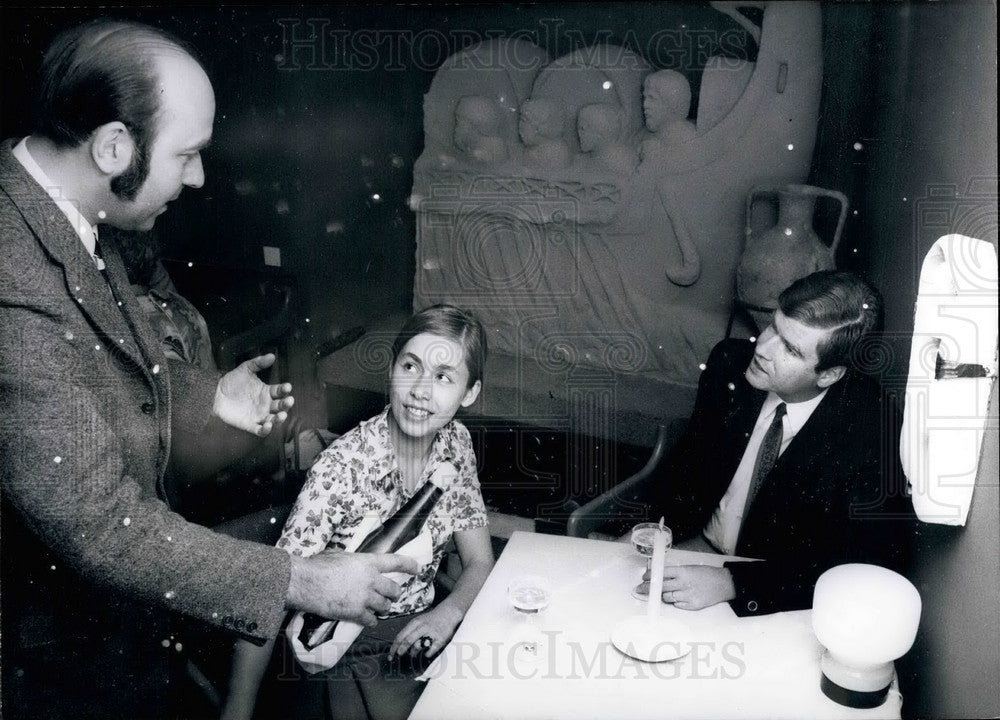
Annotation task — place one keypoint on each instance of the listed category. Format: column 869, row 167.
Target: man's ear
column 831, row 375
column 112, row 147
column 472, row 393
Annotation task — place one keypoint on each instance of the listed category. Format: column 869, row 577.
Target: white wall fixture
column 953, row 363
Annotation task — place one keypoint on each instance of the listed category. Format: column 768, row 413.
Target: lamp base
column 853, row 698
column 853, row 686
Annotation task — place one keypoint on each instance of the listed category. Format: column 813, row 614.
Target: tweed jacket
column 88, row 403
column 835, row 495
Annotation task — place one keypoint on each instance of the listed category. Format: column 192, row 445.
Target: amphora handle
column 772, row 191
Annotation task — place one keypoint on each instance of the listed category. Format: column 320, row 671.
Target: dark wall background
column 934, row 171
column 308, row 134
column 320, row 111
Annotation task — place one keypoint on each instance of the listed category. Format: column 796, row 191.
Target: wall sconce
column 865, row 616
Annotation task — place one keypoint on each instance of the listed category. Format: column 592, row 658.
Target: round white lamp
column 865, row 616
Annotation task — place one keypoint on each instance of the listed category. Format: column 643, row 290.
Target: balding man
column 91, row 551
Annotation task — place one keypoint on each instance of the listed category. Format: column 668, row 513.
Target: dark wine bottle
column 398, row 530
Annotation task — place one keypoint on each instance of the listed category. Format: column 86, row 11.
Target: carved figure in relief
column 477, row 130
column 666, row 101
column 541, row 126
column 599, row 127
column 687, row 269
column 638, row 221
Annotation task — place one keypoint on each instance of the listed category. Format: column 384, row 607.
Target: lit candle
column 656, row 571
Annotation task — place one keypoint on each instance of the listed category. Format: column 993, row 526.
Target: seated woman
column 437, row 365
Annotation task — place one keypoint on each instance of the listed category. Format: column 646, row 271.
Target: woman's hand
column 438, row 625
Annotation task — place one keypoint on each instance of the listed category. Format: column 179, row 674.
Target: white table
column 766, row 666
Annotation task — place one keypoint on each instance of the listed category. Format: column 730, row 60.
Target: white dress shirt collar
column 69, row 208
column 796, row 416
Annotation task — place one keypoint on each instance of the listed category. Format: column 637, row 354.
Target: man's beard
column 127, row 185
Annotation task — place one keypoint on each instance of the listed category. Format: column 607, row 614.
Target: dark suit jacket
column 834, row 496
column 89, row 408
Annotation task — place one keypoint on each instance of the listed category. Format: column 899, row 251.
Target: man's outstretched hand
column 243, row 401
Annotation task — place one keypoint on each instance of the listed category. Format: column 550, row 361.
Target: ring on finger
column 425, row 642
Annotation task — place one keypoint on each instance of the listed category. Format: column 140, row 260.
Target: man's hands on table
column 346, row 586
column 246, row 403
column 693, row 587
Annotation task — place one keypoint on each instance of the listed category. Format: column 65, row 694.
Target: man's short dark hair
column 101, row 72
column 834, row 300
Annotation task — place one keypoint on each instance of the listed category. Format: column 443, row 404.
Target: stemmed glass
column 642, row 542
column 529, row 595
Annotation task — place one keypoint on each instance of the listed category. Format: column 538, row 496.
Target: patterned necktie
column 98, row 260
column 766, row 456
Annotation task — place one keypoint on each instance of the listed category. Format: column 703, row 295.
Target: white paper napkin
column 325, row 655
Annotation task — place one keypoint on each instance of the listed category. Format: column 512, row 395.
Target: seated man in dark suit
column 791, row 456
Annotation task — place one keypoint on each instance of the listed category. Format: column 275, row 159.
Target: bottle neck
column 426, row 490
column 425, row 495
column 404, row 524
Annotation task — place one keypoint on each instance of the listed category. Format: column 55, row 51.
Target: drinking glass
column 643, row 535
column 529, row 595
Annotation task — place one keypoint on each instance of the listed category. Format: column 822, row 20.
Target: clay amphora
column 774, row 258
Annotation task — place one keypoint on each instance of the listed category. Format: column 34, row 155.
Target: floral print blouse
column 358, row 476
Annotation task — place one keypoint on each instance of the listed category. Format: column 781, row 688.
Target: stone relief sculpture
column 477, row 130
column 541, row 130
column 684, row 269
column 722, row 83
column 666, row 102
column 732, row 9
column 590, row 235
column 599, row 128
column 491, row 78
column 604, row 73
